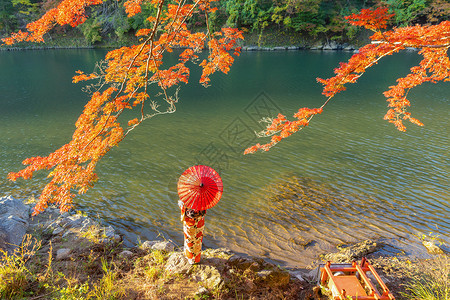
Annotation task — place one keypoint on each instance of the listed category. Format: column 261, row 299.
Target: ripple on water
column 303, row 215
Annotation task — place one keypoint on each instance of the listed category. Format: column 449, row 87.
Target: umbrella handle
column 183, row 211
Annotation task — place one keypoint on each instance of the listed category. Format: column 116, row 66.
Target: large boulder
column 177, row 264
column 14, row 221
column 78, row 225
column 166, row 246
column 3, row 241
column 209, row 275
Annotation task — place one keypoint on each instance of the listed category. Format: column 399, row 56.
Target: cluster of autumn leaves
column 131, row 76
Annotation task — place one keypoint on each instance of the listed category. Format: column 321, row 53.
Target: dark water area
column 348, row 176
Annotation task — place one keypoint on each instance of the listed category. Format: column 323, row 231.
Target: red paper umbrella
column 200, row 187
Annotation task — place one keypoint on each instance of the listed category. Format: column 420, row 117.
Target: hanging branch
column 126, row 79
column 434, row 42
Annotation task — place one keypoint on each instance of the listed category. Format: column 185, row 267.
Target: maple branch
column 383, row 44
column 127, row 72
column 151, row 57
column 149, row 39
column 171, row 108
column 355, row 76
column 178, row 11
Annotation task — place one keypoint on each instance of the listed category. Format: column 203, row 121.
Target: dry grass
column 98, row 271
column 433, row 283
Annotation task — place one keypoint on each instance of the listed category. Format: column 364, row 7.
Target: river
column 349, row 176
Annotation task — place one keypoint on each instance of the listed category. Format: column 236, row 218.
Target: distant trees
column 326, row 17
column 409, row 12
column 8, row 21
column 312, row 18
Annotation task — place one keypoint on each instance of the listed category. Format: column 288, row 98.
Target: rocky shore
column 317, row 46
column 79, row 248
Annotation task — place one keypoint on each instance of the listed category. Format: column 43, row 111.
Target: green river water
column 349, row 176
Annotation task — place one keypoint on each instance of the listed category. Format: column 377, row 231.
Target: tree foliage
column 91, row 30
column 8, row 20
column 130, row 78
column 433, row 42
column 310, row 18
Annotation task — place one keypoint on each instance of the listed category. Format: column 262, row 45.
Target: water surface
column 348, row 176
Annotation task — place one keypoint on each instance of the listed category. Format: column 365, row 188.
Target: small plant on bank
column 152, row 273
column 73, row 291
column 14, row 274
column 93, row 234
column 158, row 257
column 107, row 287
column 151, row 266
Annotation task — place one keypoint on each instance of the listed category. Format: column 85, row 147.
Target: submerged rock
column 349, row 253
column 432, row 247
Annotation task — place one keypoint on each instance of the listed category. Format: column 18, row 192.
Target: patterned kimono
column 193, row 226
